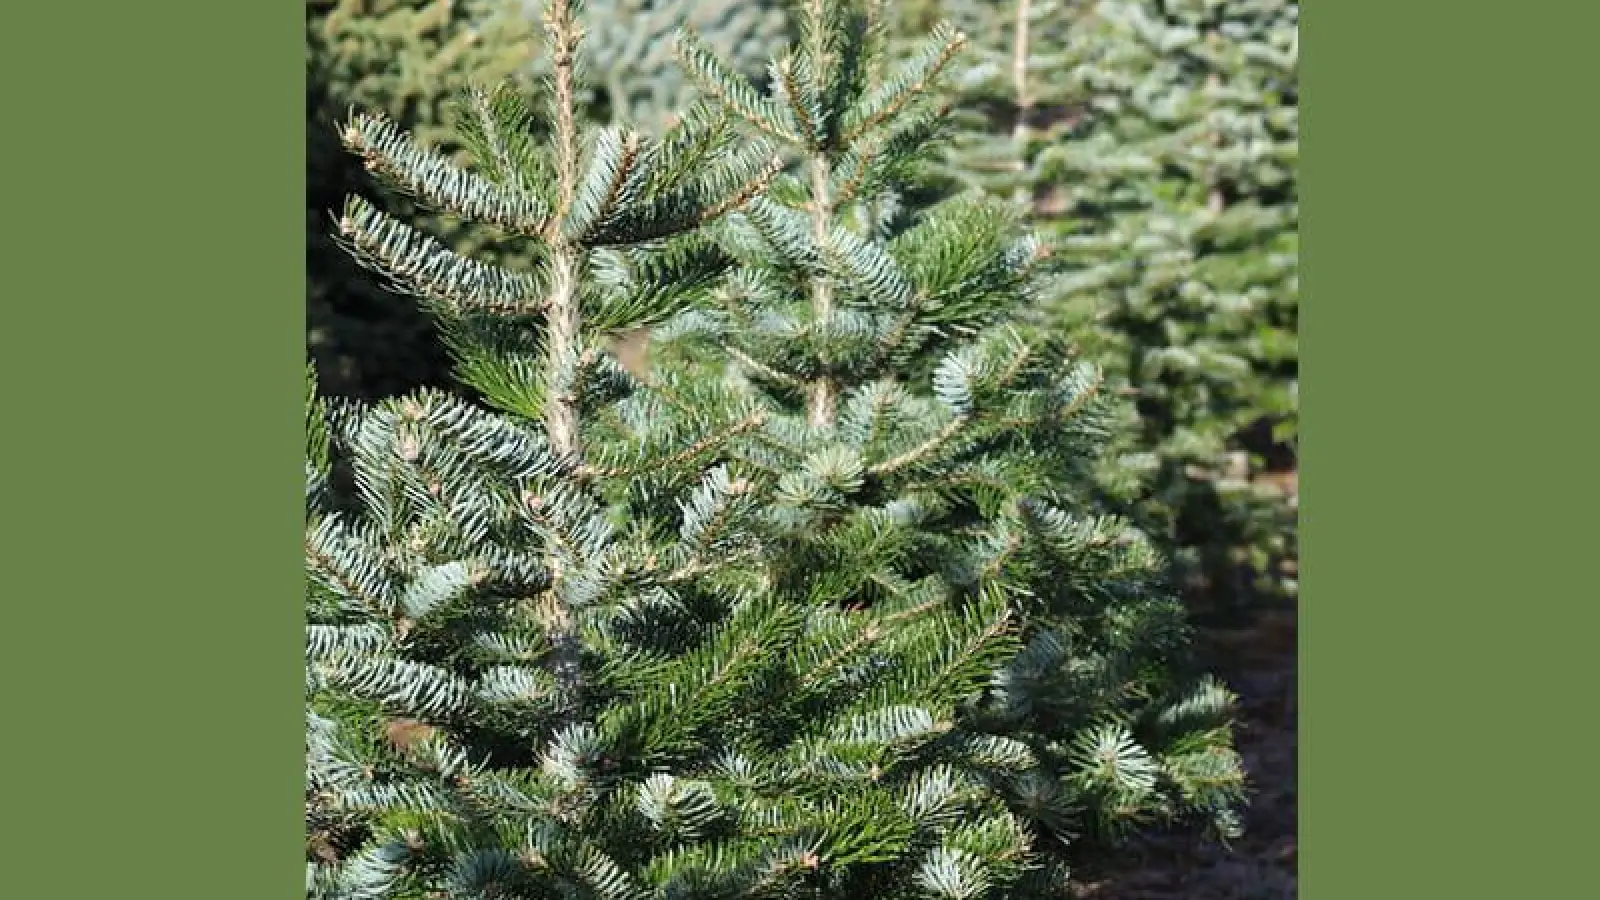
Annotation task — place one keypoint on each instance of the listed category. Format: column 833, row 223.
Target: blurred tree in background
column 636, row 77
column 1155, row 143
column 407, row 58
column 1180, row 215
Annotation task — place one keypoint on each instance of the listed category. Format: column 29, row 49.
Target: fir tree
column 913, row 438
column 411, row 59
column 546, row 652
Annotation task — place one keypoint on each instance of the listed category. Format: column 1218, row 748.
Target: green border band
column 1448, row 500
column 153, row 334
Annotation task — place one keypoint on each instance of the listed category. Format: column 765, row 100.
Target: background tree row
column 1155, row 143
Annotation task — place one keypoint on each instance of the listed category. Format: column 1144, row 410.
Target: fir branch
column 893, row 342
column 324, row 641
column 498, row 127
column 828, row 46
column 920, row 452
column 410, row 688
column 437, row 182
column 719, row 190
column 787, row 231
column 612, row 166
column 699, row 448
column 912, row 80
column 761, row 369
column 746, row 191
column 336, row 558
column 641, row 289
column 997, row 560
column 729, row 88
column 802, row 104
column 873, row 630
column 870, row 266
column 693, row 141
column 708, row 516
column 971, row 647
column 420, row 266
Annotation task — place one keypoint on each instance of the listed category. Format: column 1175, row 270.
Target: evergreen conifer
column 1008, row 94
column 1182, row 207
column 551, row 648
column 915, row 441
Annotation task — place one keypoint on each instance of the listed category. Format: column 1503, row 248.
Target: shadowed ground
column 1259, row 663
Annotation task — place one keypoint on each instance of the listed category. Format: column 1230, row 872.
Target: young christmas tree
column 914, row 439
column 548, row 653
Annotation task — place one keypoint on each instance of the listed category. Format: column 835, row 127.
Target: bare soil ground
column 1259, row 663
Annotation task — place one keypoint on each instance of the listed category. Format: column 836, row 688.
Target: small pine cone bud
column 532, row 501
column 407, row 448
column 435, row 489
column 739, row 486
